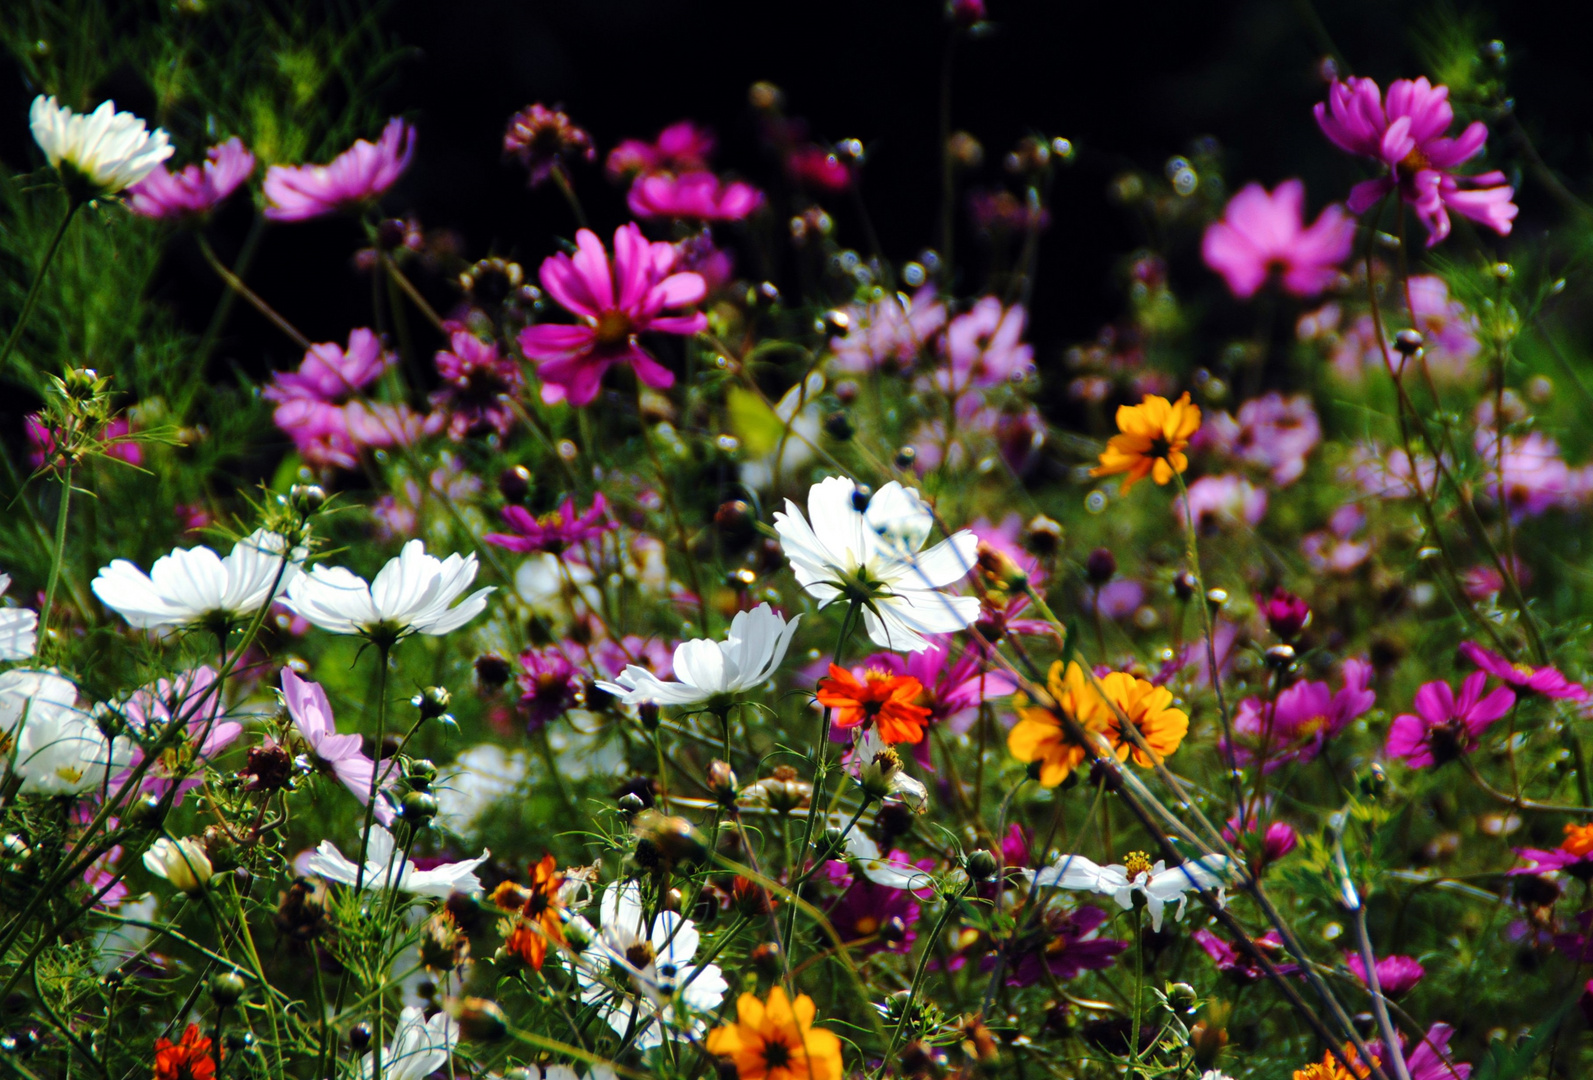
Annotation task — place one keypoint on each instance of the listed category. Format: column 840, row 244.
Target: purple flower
column 1271, row 432
column 682, row 147
column 186, row 699
column 1261, row 234
column 1444, row 726
column 328, row 435
column 196, row 190
column 1430, row 1060
column 1223, row 501
column 985, row 347
column 1287, row 615
column 341, row 755
column 1301, row 720
column 328, row 373
column 1116, row 600
column 478, row 385
column 1449, row 331
column 1239, row 965
column 1543, row 680
column 549, row 685
column 614, row 301
column 1536, row 478
column 359, row 175
column 554, row 531
column 866, row 908
column 1066, row 946
column 888, row 334
column 1395, row 974
column 543, row 139
column 1406, row 133
column 695, row 196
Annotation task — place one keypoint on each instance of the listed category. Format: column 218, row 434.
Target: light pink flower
column 196, row 190
column 985, row 347
column 1263, row 233
column 1272, row 432
column 1406, row 132
column 341, row 755
column 614, row 302
column 187, row 700
column 332, row 374
column 358, row 175
column 697, row 196
column 1223, row 502
column 888, row 334
column 328, row 435
column 1449, row 331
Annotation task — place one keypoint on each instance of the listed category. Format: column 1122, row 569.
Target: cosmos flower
column 549, row 685
column 342, row 755
column 870, row 556
column 18, row 628
column 1574, row 855
column 556, row 530
column 614, row 301
column 187, row 1059
column 538, row 912
column 1151, row 441
column 479, row 385
column 1068, row 944
column 196, row 190
column 693, row 196
column 1238, row 964
column 881, row 701
column 181, row 862
column 864, row 909
column 419, row 1048
column 197, row 585
column 1225, row 501
column 544, row 139
column 1546, row 680
column 386, row 868
column 1395, row 974
column 1298, row 723
column 1147, row 707
column 776, row 1040
column 410, row 595
column 1158, row 884
column 1445, row 726
column 332, row 374
column 1263, row 233
column 1040, row 736
column 97, row 154
column 1406, row 133
column 1429, row 1059
column 893, row 870
column 1271, row 432
column 705, row 669
column 113, row 442
column 681, row 147
column 888, row 334
column 359, row 175
column 191, row 699
column 1287, row 615
column 984, row 347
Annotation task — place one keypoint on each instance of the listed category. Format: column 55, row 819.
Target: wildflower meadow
column 693, row 634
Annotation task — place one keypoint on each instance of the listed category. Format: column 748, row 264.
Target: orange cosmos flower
column 883, row 700
column 186, row 1060
column 1329, row 1068
column 777, row 1040
column 1146, row 706
column 1040, row 735
column 1152, row 439
column 537, row 911
column 1578, row 840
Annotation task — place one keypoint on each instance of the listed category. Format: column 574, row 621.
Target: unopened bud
column 838, row 425
column 479, row 1019
column 432, row 702
column 306, row 499
column 1280, row 657
column 227, row 988
column 981, row 865
column 1043, row 535
column 722, row 782
column 1408, row 342
column 514, row 483
column 1184, row 585
column 1100, row 566
column 417, row 807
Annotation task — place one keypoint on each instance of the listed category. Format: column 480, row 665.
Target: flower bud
column 418, row 808
column 432, row 702
column 766, row 959
column 181, row 862
column 147, row 812
column 359, row 1037
column 306, row 499
column 1207, row 1041
column 514, row 483
column 1287, row 615
column 1374, row 781
column 1182, row 997
column 1042, row 536
column 1280, row 658
column 722, row 782
column 838, row 425
column 981, row 865
column 861, row 494
column 1408, row 342
column 420, row 774
column 999, row 569
column 906, row 456
column 1100, row 566
column 1184, row 585
column 492, row 671
column 227, row 988
column 479, row 1019
column 1217, row 598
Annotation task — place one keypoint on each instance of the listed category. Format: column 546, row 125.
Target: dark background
column 1130, row 83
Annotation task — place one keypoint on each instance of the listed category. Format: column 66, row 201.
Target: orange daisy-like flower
column 1153, row 437
column 1039, row 735
column 881, row 699
column 1578, row 840
column 1146, row 706
column 538, row 912
column 1329, row 1068
column 186, row 1060
column 776, row 1040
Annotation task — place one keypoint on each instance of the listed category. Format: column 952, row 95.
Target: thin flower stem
column 236, row 284
column 397, row 277
column 38, row 283
column 952, row 903
column 1515, row 800
column 57, row 556
column 561, row 180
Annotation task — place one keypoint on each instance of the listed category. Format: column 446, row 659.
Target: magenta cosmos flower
column 554, row 531
column 1396, row 975
column 1300, row 721
column 1543, row 680
column 615, row 302
column 329, row 373
column 1429, row 1059
column 197, row 189
column 696, row 196
column 1262, row 233
column 480, row 385
column 358, row 175
column 1445, row 726
column 682, row 147
column 1406, row 133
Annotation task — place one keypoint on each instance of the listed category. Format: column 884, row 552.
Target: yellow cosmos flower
column 776, row 1040
column 1146, row 706
column 1039, row 735
column 1153, row 437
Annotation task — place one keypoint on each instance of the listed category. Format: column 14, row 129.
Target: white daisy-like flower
column 181, row 862
column 59, row 750
column 109, row 150
column 382, row 873
column 863, row 853
column 412, row 594
column 878, row 768
column 567, row 1072
column 871, row 556
column 706, row 669
column 655, row 957
column 18, row 628
column 1158, row 884
column 419, row 1048
column 197, row 585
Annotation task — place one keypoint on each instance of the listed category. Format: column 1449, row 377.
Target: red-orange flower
column 537, row 919
column 886, row 701
column 186, row 1060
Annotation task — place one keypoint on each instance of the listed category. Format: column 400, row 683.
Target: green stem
column 38, row 283
column 237, row 286
column 57, row 557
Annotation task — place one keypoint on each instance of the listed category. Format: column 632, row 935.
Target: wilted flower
column 196, row 190
column 181, row 862
column 97, row 154
column 1263, row 233
column 705, row 670
column 410, row 595
column 199, row 586
column 359, row 175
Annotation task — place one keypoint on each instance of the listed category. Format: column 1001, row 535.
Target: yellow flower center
column 1136, row 863
column 612, row 327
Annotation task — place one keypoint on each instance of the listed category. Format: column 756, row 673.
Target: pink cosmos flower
column 1395, row 974
column 1237, row 964
column 1445, row 726
column 1405, row 132
column 328, row 435
column 865, row 909
column 548, row 685
column 42, row 446
column 358, row 175
column 1334, row 550
column 1543, row 680
column 188, row 700
column 479, row 383
column 1279, row 839
column 1271, row 432
column 984, row 347
column 1430, row 1059
column 196, row 190
column 887, row 335
column 1001, row 213
column 102, row 872
column 543, row 139
column 1222, row 502
column 1069, row 945
column 341, row 755
column 1301, row 720
column 696, row 196
column 328, row 373
column 682, row 147
column 816, row 167
column 615, row 302
column 1449, row 331
column 553, row 531
column 1262, row 233
column 1536, row 477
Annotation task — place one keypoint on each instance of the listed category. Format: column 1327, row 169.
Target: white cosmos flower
column 182, row 862
column 873, row 556
column 419, row 1048
column 864, row 853
column 567, row 1072
column 410, row 595
column 878, row 768
column 478, row 778
column 197, row 585
column 381, row 873
column 18, row 628
column 58, row 749
column 705, row 669
column 1158, row 884
column 657, row 959
column 110, row 149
